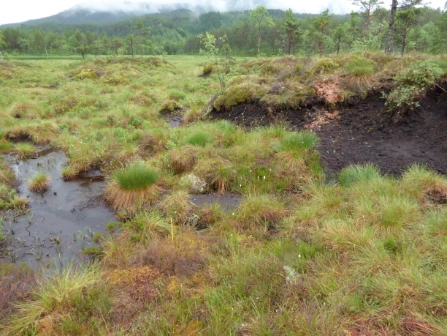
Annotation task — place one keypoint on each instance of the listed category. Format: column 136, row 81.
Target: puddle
column 227, row 201
column 175, row 121
column 61, row 221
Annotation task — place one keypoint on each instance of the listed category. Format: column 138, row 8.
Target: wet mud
column 60, row 222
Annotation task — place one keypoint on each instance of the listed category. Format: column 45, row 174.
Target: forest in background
column 275, row 32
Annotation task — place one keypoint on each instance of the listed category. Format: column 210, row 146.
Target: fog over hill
column 111, row 10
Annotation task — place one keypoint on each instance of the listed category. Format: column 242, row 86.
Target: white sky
column 21, row 10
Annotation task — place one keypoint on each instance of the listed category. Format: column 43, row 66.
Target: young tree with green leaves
column 368, row 6
column 217, row 50
column 105, row 43
column 261, row 19
column 407, row 19
column 290, row 25
column 340, row 34
column 320, row 23
column 142, row 31
column 117, row 43
column 130, row 42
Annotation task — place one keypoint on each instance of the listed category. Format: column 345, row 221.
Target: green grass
column 355, row 173
column 136, row 176
column 198, row 139
column 297, row 256
column 40, row 182
column 299, row 140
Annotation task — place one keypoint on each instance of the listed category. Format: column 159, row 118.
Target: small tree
column 142, row 31
column 261, row 19
column 369, row 6
column 339, row 35
column 407, row 19
column 217, row 50
column 117, row 43
column 130, row 41
column 2, row 44
column 291, row 26
column 320, row 23
column 105, row 42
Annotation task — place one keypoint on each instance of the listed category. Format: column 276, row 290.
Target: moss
column 360, row 66
column 87, row 74
column 170, row 106
column 323, row 66
column 238, row 94
column 208, row 69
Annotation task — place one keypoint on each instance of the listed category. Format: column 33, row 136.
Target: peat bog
column 364, row 131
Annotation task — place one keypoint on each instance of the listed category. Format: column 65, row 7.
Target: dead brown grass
column 183, row 159
column 129, row 200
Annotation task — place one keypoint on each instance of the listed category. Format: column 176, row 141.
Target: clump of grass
column 78, row 294
column 68, row 173
column 136, row 177
column 208, row 69
column 198, row 139
column 170, row 106
column 5, row 146
column 40, row 182
column 178, row 207
column 19, row 202
column 182, row 159
column 24, row 150
column 360, row 71
column 131, row 187
column 323, row 66
column 360, row 66
column 16, row 284
column 260, row 212
column 299, row 140
column 355, row 173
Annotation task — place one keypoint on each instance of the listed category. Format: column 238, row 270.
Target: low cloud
column 314, row 6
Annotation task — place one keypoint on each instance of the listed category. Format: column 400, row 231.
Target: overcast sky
column 21, row 10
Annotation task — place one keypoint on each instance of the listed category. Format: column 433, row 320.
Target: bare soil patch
column 365, row 131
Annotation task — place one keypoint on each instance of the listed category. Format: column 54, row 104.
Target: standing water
column 60, row 222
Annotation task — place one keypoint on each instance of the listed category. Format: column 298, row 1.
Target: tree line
column 405, row 26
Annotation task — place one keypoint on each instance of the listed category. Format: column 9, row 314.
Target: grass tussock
column 131, row 187
column 63, row 302
column 40, row 182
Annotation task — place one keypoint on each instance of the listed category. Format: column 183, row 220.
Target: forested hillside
column 277, row 32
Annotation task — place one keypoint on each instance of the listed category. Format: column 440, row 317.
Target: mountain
column 105, row 13
column 115, row 10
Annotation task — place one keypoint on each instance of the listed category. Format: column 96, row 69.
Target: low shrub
column 411, row 84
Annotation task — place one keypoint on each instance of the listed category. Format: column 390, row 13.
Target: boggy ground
column 364, row 131
column 280, row 251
